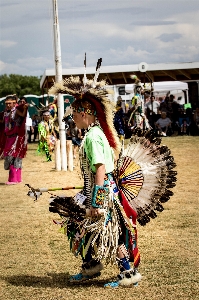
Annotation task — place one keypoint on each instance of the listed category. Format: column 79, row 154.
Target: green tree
column 19, row 85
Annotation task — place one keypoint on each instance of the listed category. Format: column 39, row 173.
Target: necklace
column 10, row 117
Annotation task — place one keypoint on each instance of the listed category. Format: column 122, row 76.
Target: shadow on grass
column 60, row 280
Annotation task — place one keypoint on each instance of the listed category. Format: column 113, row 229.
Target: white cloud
column 121, row 32
column 33, row 66
column 2, row 66
column 7, row 43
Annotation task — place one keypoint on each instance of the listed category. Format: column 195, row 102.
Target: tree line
column 19, row 85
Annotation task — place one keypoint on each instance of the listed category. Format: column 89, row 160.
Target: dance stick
column 36, row 193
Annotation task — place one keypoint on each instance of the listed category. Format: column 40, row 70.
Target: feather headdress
column 96, row 93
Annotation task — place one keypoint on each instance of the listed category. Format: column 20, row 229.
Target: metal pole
column 58, row 78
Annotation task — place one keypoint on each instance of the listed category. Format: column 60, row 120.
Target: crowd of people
column 165, row 116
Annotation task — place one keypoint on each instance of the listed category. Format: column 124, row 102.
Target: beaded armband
column 99, row 193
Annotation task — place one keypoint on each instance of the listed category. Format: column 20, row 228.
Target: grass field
column 35, row 258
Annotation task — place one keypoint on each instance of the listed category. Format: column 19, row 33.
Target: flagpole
column 59, row 164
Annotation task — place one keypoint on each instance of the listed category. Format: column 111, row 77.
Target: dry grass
column 35, row 258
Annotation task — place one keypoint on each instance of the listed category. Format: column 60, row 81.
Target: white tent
column 164, row 86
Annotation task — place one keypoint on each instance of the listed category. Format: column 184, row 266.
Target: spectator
column 164, row 105
column 119, row 120
column 163, row 125
column 184, row 129
column 196, row 116
column 152, row 111
column 73, row 134
column 76, row 138
column 175, row 111
column 194, row 127
column 184, row 120
column 29, row 128
column 35, row 123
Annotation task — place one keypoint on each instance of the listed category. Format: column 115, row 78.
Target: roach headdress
column 91, row 96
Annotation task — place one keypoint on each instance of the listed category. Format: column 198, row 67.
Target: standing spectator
column 35, row 123
column 175, row 111
column 152, row 111
column 164, row 105
column 119, row 120
column 194, row 127
column 29, row 128
column 196, row 116
column 73, row 134
column 76, row 138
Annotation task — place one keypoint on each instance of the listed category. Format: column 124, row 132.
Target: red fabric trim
column 132, row 247
column 130, row 212
column 102, row 120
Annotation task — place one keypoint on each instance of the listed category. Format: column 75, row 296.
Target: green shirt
column 98, row 150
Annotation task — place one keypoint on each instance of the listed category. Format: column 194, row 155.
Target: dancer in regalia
column 106, row 233
column 15, row 147
column 47, row 136
column 137, row 110
column 100, row 221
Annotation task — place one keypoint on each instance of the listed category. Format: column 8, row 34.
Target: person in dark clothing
column 35, row 123
column 119, row 120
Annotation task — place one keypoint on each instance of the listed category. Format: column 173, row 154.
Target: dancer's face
column 79, row 119
column 46, row 118
column 10, row 105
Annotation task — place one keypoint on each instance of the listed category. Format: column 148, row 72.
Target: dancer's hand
column 94, row 212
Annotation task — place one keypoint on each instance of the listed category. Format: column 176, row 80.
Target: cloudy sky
column 122, row 32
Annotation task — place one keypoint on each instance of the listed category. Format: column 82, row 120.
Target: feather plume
column 97, row 93
column 148, row 189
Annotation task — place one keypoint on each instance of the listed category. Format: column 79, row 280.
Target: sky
column 122, row 32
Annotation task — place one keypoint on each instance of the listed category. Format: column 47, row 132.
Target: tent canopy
column 164, row 86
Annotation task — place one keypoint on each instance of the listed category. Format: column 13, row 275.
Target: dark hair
column 13, row 97
column 23, row 98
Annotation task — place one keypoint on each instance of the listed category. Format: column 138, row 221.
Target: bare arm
column 24, row 112
column 100, row 174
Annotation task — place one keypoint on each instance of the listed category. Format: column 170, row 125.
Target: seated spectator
column 184, row 128
column 163, row 125
column 183, row 121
